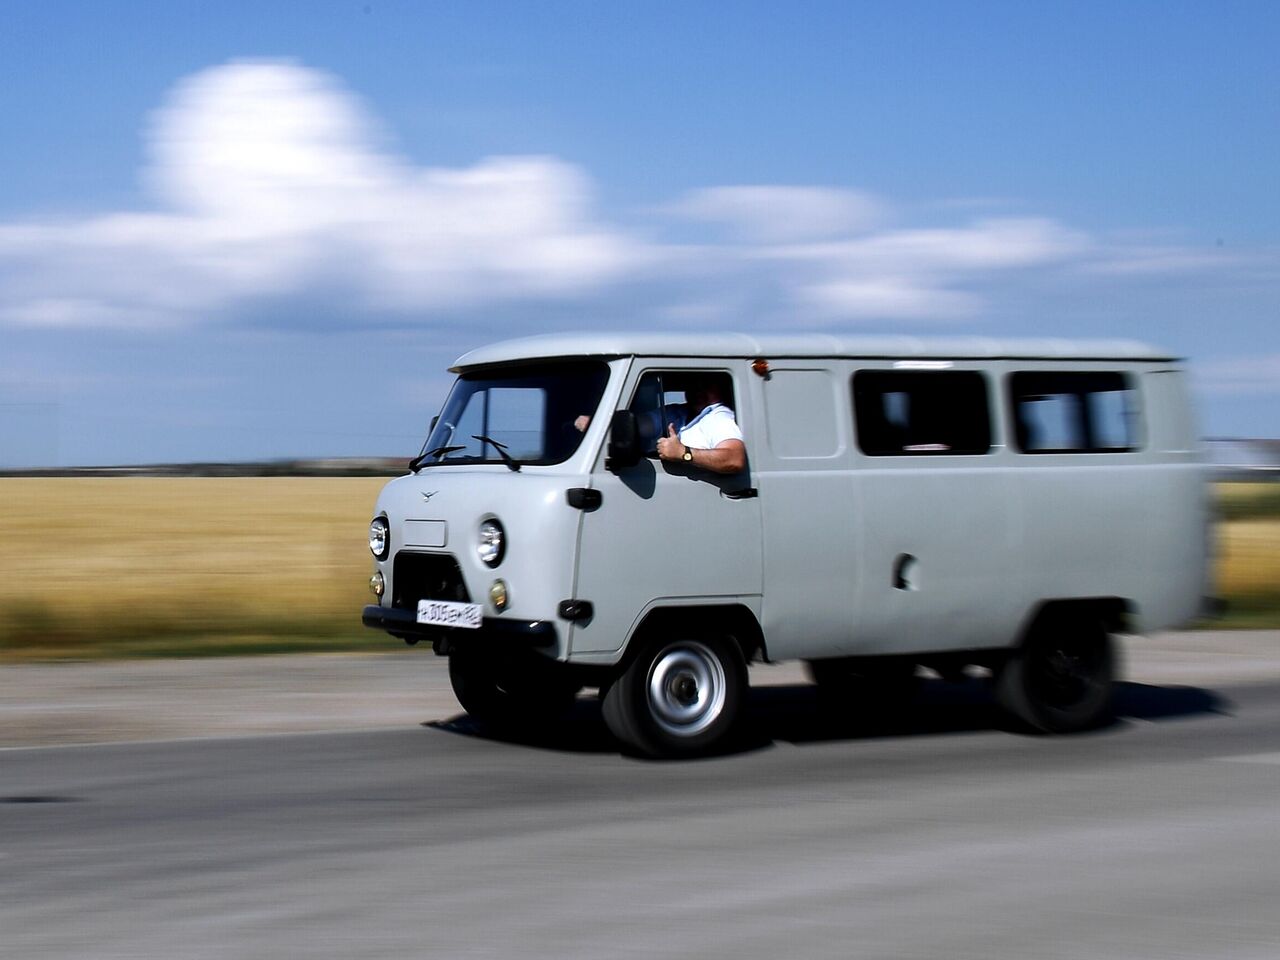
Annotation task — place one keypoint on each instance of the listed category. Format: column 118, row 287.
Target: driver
column 711, row 437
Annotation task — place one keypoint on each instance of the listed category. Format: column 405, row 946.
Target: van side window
column 901, row 413
column 660, row 400
column 1073, row 412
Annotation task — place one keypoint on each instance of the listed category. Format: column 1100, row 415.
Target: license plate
column 446, row 613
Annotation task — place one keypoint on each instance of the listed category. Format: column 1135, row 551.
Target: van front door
column 665, row 534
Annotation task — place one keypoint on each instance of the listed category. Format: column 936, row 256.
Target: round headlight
column 379, row 538
column 491, row 545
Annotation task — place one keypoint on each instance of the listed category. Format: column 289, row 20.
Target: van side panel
column 938, row 538
column 881, row 554
column 1087, row 528
column 1131, row 525
column 1181, row 552
column 958, row 552
column 1178, row 566
column 1170, row 419
column 800, row 449
column 938, row 551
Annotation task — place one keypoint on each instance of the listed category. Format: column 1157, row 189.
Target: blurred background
column 245, row 240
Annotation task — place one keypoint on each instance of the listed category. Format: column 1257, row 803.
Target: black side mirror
column 434, row 421
column 625, row 449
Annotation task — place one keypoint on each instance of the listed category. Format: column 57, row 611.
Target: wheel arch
column 1115, row 613
column 732, row 620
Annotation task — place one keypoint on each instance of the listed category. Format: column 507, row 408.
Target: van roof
column 751, row 346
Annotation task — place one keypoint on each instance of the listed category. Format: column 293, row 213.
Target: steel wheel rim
column 686, row 689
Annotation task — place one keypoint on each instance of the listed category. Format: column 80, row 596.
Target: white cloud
column 1137, row 261
column 918, row 274
column 985, row 245
column 769, row 214
column 900, row 297
column 271, row 181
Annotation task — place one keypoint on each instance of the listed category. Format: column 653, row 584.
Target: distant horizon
column 322, row 465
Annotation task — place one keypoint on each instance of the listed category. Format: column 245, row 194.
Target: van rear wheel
column 1060, row 679
column 677, row 697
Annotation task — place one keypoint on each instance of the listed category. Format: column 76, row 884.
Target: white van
column 904, row 502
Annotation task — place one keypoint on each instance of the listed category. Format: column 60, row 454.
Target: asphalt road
column 940, row 835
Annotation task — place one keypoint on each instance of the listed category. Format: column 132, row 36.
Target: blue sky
column 237, row 231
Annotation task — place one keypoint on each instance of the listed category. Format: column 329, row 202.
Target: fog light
column 378, row 584
column 498, row 595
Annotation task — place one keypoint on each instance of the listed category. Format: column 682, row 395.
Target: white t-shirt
column 710, row 428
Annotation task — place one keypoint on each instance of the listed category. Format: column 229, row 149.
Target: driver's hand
column 670, row 447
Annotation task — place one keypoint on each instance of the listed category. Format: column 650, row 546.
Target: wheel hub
column 686, row 689
column 1064, row 675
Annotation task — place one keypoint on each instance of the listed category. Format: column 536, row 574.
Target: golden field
column 137, row 566
column 1248, row 553
column 1248, row 571
column 1249, row 557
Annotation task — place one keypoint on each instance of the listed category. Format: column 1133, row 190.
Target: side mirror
column 625, row 449
column 434, row 421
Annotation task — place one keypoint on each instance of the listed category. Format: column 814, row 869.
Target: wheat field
column 137, row 566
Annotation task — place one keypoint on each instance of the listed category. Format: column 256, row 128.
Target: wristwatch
column 688, row 454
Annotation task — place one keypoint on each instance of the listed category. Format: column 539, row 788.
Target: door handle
column 746, row 493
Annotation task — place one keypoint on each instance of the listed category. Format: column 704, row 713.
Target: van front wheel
column 507, row 695
column 677, row 697
column 1059, row 680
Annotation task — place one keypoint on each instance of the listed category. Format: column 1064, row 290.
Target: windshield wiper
column 419, row 460
column 502, row 452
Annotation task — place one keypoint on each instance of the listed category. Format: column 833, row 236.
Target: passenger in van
column 711, row 437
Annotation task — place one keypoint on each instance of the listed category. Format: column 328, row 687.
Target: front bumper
column 404, row 624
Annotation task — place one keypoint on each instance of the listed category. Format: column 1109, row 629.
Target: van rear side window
column 921, row 413
column 1074, row 412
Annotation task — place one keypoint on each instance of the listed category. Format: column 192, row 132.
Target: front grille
column 426, row 576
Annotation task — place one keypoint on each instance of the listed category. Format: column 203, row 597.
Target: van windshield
column 532, row 413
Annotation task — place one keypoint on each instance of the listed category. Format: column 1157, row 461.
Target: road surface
column 941, row 834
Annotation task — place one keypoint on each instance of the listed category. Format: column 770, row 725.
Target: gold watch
column 688, row 454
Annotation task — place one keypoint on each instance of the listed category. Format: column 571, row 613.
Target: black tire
column 1060, row 679
column 507, row 695
column 678, row 697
